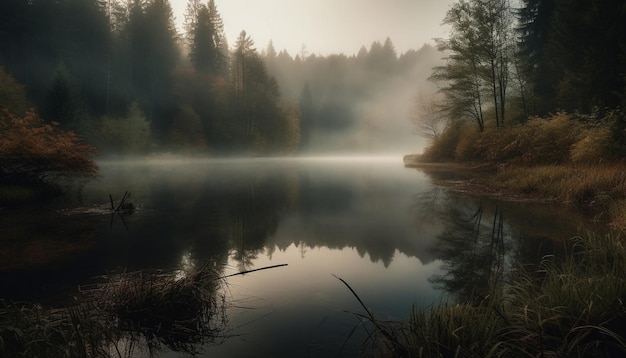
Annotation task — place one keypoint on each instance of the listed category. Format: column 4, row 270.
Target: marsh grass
column 585, row 185
column 598, row 188
column 573, row 307
column 180, row 310
column 30, row 330
column 569, row 307
column 573, row 158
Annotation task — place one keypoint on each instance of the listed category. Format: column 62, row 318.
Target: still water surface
column 396, row 237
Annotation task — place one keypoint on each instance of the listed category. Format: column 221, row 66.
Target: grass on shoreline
column 569, row 307
column 179, row 310
column 600, row 187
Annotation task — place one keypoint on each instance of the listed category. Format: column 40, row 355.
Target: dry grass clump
column 588, row 185
column 179, row 310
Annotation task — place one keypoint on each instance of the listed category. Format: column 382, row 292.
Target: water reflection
column 395, row 237
column 483, row 240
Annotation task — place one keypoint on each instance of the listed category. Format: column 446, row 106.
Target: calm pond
column 393, row 235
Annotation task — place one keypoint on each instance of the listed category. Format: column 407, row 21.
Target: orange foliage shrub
column 555, row 140
column 36, row 152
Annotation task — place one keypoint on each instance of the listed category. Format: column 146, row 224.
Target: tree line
column 118, row 73
column 352, row 99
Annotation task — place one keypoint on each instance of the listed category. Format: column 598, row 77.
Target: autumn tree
column 35, row 152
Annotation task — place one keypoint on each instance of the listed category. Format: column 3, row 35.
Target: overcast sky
column 330, row 26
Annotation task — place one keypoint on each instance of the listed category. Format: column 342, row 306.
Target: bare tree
column 427, row 116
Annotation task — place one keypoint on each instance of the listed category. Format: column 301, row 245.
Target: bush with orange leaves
column 35, row 152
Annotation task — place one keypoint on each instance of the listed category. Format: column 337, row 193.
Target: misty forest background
column 119, row 75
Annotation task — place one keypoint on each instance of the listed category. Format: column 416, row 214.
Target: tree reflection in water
column 473, row 249
column 479, row 243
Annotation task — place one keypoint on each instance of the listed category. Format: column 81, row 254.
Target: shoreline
column 597, row 188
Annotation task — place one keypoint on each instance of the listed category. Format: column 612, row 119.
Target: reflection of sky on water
column 385, row 229
column 300, row 309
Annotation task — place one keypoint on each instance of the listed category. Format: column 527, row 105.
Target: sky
column 324, row 27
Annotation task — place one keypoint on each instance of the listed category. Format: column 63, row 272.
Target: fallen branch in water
column 248, row 271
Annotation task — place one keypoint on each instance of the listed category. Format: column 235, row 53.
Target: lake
column 397, row 238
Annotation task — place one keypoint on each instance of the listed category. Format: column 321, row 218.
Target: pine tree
column 203, row 52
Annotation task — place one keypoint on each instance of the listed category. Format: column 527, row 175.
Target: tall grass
column 578, row 184
column 29, row 330
column 178, row 310
column 569, row 307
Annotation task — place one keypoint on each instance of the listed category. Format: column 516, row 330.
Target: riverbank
column 572, row 306
column 599, row 188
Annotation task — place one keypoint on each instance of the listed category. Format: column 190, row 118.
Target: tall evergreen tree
column 151, row 53
column 575, row 53
column 203, row 51
column 63, row 101
column 534, row 23
column 307, row 116
column 190, row 19
column 263, row 122
column 219, row 39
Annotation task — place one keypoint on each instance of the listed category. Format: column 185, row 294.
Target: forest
column 541, row 84
column 130, row 82
column 120, row 75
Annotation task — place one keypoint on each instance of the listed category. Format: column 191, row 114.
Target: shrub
column 130, row 134
column 12, row 94
column 594, row 147
column 32, row 151
column 555, row 140
column 467, row 147
column 444, row 148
